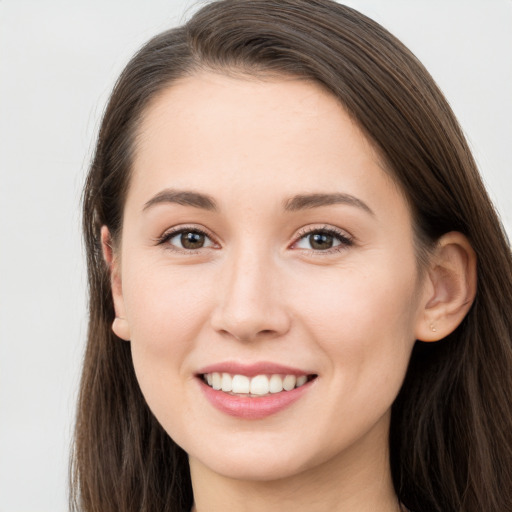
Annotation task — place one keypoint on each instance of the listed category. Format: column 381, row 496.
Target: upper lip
column 253, row 369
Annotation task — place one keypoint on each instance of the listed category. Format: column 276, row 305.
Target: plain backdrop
column 58, row 62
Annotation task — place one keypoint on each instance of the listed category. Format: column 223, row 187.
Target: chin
column 262, row 467
column 267, row 458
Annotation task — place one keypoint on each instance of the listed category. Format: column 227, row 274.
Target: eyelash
column 342, row 237
column 169, row 235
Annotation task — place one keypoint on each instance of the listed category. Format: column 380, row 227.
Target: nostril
column 250, row 335
column 247, row 316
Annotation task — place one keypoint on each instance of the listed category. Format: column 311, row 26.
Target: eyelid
column 345, row 238
column 170, row 233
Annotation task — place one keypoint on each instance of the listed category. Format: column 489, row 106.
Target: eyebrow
column 293, row 204
column 183, row 197
column 306, row 201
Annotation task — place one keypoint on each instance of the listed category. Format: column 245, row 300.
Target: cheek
column 364, row 318
column 165, row 305
column 167, row 309
column 363, row 322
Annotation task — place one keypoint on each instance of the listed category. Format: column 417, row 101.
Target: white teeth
column 276, row 384
column 289, row 382
column 259, row 385
column 241, row 384
column 216, row 380
column 301, row 381
column 226, row 382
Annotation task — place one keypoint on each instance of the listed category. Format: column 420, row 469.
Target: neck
column 359, row 481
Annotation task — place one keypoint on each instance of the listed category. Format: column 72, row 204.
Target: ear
column 450, row 287
column 120, row 325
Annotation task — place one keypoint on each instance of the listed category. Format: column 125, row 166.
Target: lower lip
column 253, row 408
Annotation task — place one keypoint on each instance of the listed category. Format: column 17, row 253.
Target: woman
column 299, row 287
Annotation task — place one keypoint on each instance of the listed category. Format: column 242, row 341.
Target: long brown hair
column 451, row 428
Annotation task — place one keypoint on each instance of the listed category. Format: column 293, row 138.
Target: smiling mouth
column 257, row 386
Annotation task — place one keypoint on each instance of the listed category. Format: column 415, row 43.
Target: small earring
column 433, row 328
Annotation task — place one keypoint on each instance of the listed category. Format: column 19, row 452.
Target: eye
column 187, row 239
column 325, row 239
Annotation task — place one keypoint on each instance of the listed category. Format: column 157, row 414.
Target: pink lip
column 253, row 369
column 252, row 408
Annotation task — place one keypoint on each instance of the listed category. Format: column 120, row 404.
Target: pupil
column 192, row 240
column 321, row 241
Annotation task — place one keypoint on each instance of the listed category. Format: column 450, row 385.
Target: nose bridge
column 249, row 299
column 250, row 281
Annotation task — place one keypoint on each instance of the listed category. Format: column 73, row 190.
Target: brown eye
column 192, row 240
column 321, row 241
column 187, row 240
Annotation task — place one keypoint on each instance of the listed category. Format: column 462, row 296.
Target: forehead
column 222, row 132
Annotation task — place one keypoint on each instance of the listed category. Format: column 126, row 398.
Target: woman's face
column 262, row 239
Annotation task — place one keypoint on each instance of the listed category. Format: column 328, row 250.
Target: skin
column 258, row 291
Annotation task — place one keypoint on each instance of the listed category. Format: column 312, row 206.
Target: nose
column 250, row 303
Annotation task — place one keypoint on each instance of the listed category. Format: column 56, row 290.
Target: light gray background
column 58, row 62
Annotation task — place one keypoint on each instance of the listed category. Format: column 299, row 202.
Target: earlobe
column 121, row 328
column 120, row 325
column 451, row 290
